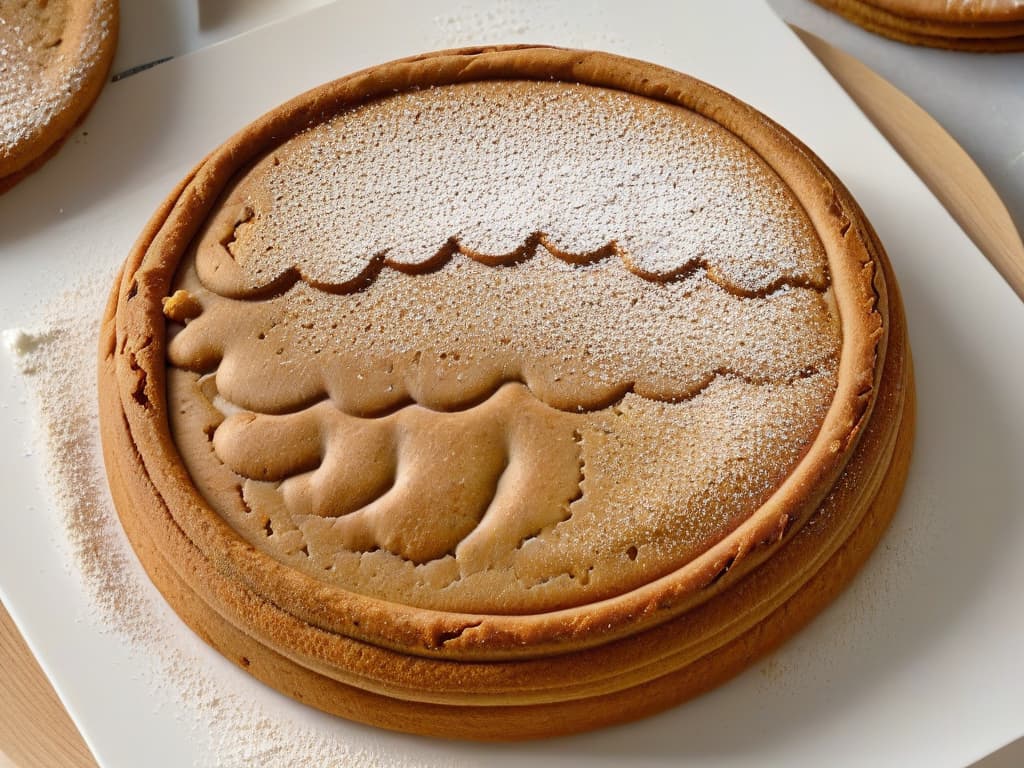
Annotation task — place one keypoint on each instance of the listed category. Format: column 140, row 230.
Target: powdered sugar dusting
column 505, row 21
column 490, row 164
column 40, row 72
column 56, row 354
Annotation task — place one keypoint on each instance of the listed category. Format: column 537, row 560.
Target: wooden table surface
column 35, row 729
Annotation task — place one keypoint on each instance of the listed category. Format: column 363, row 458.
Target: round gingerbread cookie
column 503, row 393
column 54, row 59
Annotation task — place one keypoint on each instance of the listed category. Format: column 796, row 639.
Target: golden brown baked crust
column 54, row 60
column 969, row 25
column 672, row 636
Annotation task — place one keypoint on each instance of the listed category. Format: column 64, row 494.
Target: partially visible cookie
column 54, row 59
column 986, row 26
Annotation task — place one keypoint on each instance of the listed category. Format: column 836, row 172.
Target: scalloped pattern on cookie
column 408, row 178
column 547, row 392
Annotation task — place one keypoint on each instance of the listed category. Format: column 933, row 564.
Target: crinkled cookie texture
column 54, row 56
column 454, row 350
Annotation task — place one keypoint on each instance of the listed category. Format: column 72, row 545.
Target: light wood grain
column 943, row 165
column 36, row 731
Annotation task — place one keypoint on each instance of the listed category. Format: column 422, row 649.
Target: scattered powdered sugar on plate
column 56, row 354
column 21, row 346
column 507, row 21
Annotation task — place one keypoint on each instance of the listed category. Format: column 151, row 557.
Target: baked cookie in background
column 54, row 60
column 505, row 393
column 984, row 26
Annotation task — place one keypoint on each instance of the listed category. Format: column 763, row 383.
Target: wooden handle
column 945, row 168
column 35, row 729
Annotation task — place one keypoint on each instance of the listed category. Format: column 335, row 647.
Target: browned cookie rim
column 140, row 366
